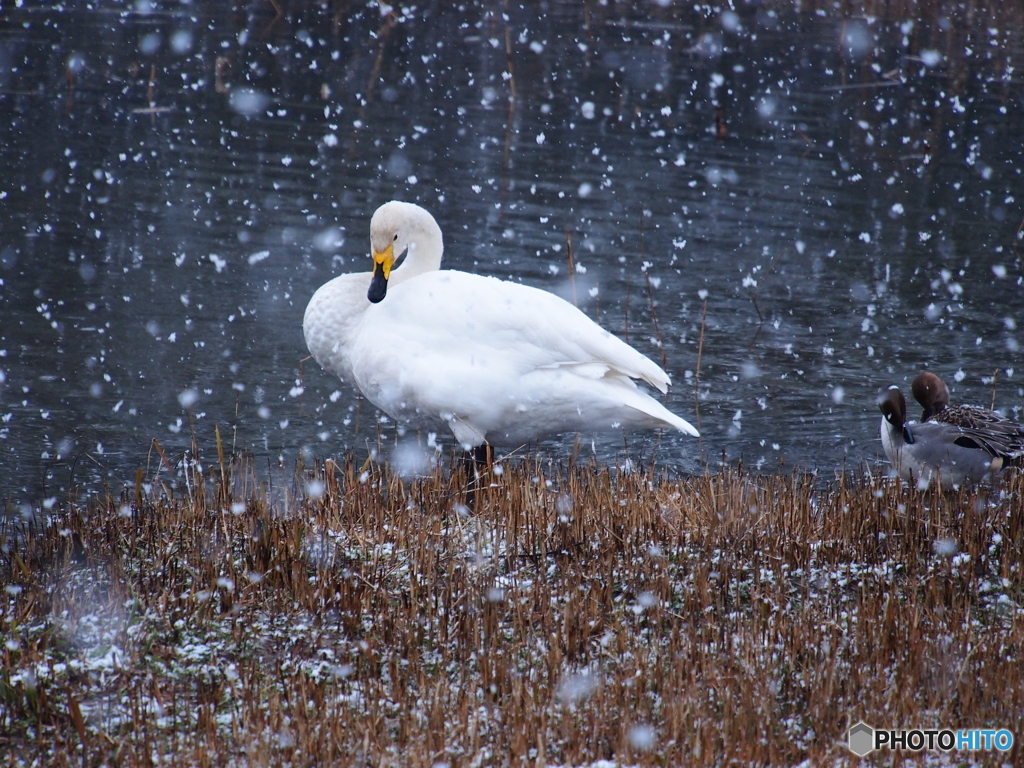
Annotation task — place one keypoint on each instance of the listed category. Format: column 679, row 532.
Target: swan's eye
column 396, row 237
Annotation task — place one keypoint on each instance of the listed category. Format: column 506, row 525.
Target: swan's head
column 402, row 232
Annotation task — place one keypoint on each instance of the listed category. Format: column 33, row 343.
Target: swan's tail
column 650, row 406
column 621, row 381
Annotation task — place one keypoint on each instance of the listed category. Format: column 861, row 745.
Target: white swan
column 494, row 361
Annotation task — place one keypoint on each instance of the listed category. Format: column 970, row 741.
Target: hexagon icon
column 860, row 738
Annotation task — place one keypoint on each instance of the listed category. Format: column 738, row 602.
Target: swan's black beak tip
column 378, row 290
column 378, row 285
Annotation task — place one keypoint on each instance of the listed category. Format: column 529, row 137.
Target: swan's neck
column 425, row 250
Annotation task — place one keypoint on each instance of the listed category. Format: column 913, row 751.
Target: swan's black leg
column 476, row 462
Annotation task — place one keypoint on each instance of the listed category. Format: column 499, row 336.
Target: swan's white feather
column 493, row 360
column 331, row 318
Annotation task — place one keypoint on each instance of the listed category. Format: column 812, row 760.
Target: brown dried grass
column 577, row 614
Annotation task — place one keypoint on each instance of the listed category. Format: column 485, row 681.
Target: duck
column 495, row 362
column 1000, row 436
column 932, row 451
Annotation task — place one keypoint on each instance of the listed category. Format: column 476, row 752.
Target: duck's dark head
column 894, row 409
column 931, row 392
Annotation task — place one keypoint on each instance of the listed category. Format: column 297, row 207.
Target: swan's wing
column 490, row 349
column 544, row 329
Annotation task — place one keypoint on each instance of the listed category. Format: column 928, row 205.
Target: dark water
column 177, row 180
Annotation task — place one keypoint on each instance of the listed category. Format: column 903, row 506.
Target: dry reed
column 577, row 614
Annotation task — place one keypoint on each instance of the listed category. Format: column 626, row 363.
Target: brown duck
column 1001, row 437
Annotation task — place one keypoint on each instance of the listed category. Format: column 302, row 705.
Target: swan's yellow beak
column 383, row 261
